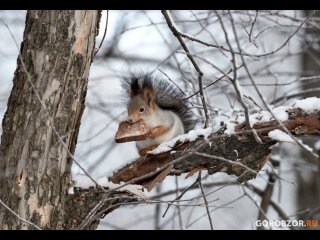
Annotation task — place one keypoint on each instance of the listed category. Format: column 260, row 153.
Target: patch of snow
column 317, row 145
column 262, row 116
column 308, row 105
column 84, row 182
column 131, row 188
column 230, row 128
column 280, row 113
column 161, row 149
column 280, row 136
column 265, row 116
column 284, row 137
column 190, row 136
column 310, row 149
column 71, row 190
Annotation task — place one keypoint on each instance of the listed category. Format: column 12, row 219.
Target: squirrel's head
column 142, row 104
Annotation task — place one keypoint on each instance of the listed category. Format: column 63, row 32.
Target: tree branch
column 237, row 154
column 220, row 147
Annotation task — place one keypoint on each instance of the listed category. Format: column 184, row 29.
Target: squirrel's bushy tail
column 166, row 94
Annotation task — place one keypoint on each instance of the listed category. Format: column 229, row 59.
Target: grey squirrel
column 160, row 104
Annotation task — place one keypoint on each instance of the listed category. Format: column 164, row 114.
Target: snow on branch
column 232, row 150
column 301, row 117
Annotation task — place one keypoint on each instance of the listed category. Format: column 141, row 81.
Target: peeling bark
column 57, row 50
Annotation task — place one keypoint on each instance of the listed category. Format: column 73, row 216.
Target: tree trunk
column 56, row 53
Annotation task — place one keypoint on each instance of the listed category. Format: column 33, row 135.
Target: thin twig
column 260, row 93
column 266, row 198
column 183, row 92
column 253, row 101
column 213, row 210
column 178, row 207
column 255, row 203
column 285, row 42
column 214, row 82
column 205, row 201
column 151, row 174
column 248, row 54
column 141, row 201
column 169, row 45
column 181, row 195
column 296, row 80
column 104, row 34
column 19, row 217
column 206, row 185
column 225, row 160
column 236, row 85
column 157, row 211
column 252, row 25
column 274, row 205
column 293, row 95
column 176, row 33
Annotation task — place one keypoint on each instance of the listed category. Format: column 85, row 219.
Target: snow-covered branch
column 232, row 150
column 300, row 118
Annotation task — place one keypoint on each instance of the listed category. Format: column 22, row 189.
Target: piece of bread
column 132, row 131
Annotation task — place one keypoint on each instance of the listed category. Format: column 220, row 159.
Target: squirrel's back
column 166, row 95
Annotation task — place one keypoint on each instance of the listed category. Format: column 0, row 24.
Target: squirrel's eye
column 141, row 109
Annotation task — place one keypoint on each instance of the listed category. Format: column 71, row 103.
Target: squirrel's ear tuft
column 135, row 89
column 148, row 96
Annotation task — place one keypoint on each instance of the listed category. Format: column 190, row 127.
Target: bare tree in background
column 231, row 65
column 266, row 39
column 309, row 182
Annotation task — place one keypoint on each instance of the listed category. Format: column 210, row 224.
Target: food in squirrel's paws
column 132, row 131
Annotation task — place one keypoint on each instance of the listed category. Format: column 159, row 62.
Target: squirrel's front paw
column 144, row 151
column 158, row 131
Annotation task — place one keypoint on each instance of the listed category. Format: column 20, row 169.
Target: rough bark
column 57, row 51
column 83, row 201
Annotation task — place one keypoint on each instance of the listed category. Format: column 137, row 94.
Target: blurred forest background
column 281, row 49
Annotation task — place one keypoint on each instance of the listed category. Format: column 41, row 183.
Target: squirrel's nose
column 130, row 120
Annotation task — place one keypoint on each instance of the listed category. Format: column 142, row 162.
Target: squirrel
column 160, row 104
